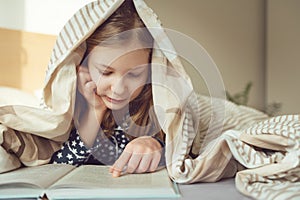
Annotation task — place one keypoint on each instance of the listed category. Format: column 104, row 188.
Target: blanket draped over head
column 261, row 152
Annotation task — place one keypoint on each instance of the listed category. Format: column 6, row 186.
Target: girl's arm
column 90, row 119
column 75, row 150
column 89, row 125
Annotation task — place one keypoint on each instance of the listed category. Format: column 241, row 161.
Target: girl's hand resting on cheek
column 87, row 88
column 140, row 155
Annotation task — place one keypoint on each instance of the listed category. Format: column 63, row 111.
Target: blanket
column 204, row 142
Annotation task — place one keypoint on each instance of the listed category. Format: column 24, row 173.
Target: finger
column 134, row 162
column 83, row 78
column 90, row 87
column 120, row 164
column 115, row 172
column 111, row 169
column 155, row 161
column 144, row 163
column 82, row 69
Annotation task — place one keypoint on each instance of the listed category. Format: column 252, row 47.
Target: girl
column 114, row 122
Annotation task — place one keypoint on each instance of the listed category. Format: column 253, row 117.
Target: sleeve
column 161, row 141
column 72, row 152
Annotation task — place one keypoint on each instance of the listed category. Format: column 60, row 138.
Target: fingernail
column 115, row 174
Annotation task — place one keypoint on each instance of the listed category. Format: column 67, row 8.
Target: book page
column 89, row 176
column 95, row 182
column 41, row 176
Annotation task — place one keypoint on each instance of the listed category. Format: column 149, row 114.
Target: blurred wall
column 231, row 31
column 24, row 58
column 11, row 44
column 38, row 16
column 28, row 30
column 283, row 54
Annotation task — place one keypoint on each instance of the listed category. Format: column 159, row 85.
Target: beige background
column 249, row 40
column 283, row 54
column 231, row 31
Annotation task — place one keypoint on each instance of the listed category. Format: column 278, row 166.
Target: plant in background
column 242, row 97
column 273, row 108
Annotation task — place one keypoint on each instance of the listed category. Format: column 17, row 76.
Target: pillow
column 14, row 96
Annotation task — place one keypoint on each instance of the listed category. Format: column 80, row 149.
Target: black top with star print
column 105, row 150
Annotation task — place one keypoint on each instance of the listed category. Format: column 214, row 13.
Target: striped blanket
column 204, row 142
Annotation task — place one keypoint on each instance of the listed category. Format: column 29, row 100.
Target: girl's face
column 119, row 73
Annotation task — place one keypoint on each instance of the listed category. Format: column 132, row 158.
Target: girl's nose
column 118, row 86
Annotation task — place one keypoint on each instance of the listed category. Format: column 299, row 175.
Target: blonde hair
column 142, row 120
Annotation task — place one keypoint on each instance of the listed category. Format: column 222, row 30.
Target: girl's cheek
column 136, row 85
column 94, row 75
column 103, row 83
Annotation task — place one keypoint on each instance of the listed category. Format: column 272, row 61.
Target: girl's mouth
column 115, row 101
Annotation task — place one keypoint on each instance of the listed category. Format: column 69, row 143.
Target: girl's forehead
column 108, row 55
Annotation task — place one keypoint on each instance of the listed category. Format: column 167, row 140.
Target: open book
column 60, row 181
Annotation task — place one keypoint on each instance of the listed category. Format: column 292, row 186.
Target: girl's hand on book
column 140, row 155
column 87, row 88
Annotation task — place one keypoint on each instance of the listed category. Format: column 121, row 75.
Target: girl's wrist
column 97, row 113
column 162, row 143
column 89, row 125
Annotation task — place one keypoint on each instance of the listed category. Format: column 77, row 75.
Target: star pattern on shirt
column 72, row 152
column 74, row 143
column 69, row 156
column 59, row 155
column 104, row 151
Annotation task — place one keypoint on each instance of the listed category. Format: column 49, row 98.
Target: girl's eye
column 105, row 73
column 134, row 75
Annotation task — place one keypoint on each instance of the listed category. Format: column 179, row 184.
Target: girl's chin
column 115, row 106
